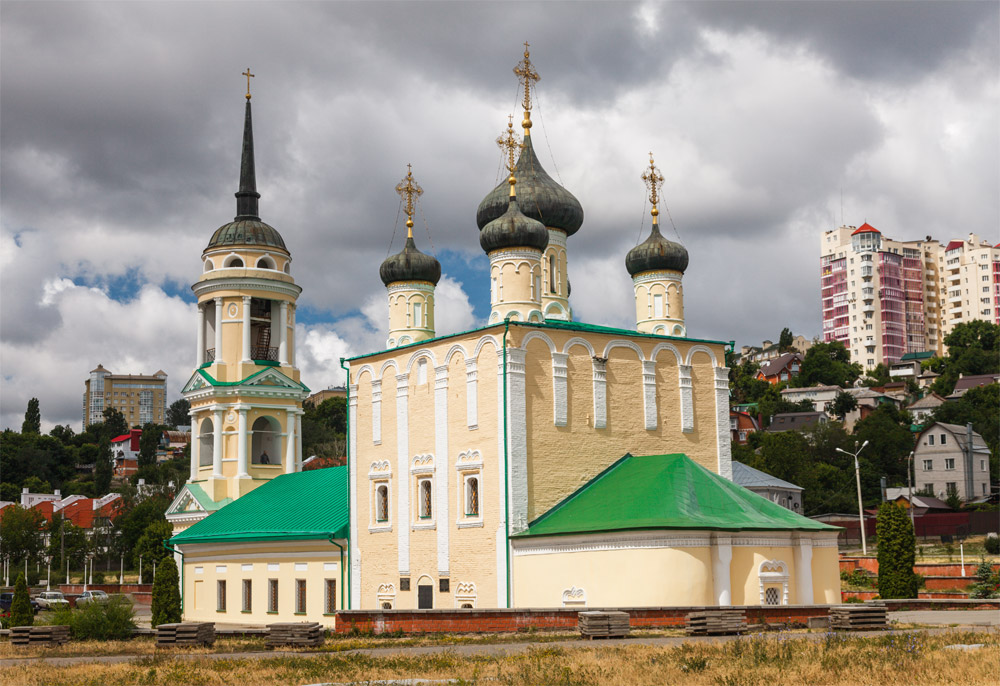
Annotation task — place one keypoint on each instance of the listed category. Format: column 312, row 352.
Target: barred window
column 771, row 596
column 272, row 595
column 382, row 503
column 331, row 596
column 472, row 497
column 247, row 595
column 425, row 499
column 220, row 598
column 300, row 596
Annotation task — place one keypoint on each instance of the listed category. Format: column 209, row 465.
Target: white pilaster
column 377, row 411
column 803, row 551
column 298, row 440
column 442, row 515
column 200, row 358
column 218, row 330
column 722, row 557
column 289, row 441
column 352, row 442
column 517, row 439
column 246, row 328
column 687, row 399
column 471, row 394
column 291, row 344
column 403, row 469
column 195, row 447
column 649, row 392
column 600, row 394
column 283, row 333
column 502, row 479
column 722, row 422
column 217, row 444
column 241, row 450
column 560, row 372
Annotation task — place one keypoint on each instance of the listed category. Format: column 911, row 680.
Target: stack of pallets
column 603, row 624
column 294, row 634
column 185, row 634
column 858, row 617
column 716, row 622
column 39, row 635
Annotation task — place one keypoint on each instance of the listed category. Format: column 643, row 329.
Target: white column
column 600, row 394
column 377, row 411
column 502, row 478
column 298, row 440
column 274, row 339
column 218, row 330
column 724, row 437
column 687, row 399
column 560, row 372
column 517, row 439
column 289, row 441
column 649, row 392
column 803, row 551
column 195, row 448
column 291, row 340
column 200, row 357
column 722, row 556
column 442, row 514
column 246, row 328
column 283, row 332
column 352, row 451
column 241, row 450
column 217, row 444
column 471, row 394
column 403, row 469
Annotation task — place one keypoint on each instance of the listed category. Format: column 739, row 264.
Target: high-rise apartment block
column 883, row 298
column 140, row 398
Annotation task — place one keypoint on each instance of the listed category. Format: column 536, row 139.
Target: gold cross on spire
column 654, row 181
column 508, row 144
column 249, row 76
column 409, row 190
column 526, row 75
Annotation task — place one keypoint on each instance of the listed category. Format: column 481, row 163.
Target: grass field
column 763, row 659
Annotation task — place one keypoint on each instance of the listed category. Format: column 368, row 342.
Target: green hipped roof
column 665, row 492
column 300, row 506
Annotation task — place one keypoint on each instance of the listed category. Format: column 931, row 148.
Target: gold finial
column 654, row 180
column 409, row 190
column 526, row 74
column 508, row 143
column 249, row 76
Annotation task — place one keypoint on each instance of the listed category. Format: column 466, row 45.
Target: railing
column 261, row 352
column 210, row 355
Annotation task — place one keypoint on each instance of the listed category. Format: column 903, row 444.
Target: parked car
column 88, row 597
column 7, row 599
column 51, row 600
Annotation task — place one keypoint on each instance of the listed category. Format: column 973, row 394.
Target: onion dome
column 513, row 229
column 656, row 253
column 410, row 265
column 247, row 228
column 541, row 198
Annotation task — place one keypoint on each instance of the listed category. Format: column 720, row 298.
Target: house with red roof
column 780, row 369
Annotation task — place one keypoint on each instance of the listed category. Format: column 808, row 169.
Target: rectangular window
column 247, row 595
column 331, row 597
column 928, row 465
column 929, row 488
column 220, row 599
column 657, row 306
column 381, row 502
column 272, row 595
column 949, row 463
column 944, row 438
column 300, row 596
column 425, row 508
column 930, row 439
column 418, row 314
column 982, row 465
column 472, row 496
column 951, row 487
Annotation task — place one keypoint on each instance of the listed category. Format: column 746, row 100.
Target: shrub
column 896, row 553
column 166, row 605
column 113, row 620
column 98, row 578
column 992, row 545
column 21, row 613
column 988, row 582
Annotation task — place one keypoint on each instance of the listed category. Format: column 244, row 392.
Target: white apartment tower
column 884, row 298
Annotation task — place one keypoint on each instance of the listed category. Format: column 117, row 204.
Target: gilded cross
column 654, row 180
column 508, row 143
column 526, row 74
column 409, row 190
column 249, row 76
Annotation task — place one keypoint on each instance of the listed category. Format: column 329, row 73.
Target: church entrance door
column 425, row 597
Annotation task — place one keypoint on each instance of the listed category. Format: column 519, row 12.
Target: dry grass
column 834, row 659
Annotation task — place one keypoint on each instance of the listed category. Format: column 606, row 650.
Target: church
column 533, row 462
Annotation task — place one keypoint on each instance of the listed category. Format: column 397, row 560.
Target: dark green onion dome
column 247, row 228
column 513, row 229
column 656, row 253
column 410, row 265
column 540, row 197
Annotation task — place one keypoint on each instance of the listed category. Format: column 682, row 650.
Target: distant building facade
column 781, row 368
column 950, row 459
column 778, row 491
column 140, row 398
column 768, row 350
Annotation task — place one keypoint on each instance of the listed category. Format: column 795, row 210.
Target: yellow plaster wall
column 744, row 578
column 826, row 575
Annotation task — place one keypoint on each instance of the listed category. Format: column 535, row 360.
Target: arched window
column 472, row 497
column 209, row 265
column 206, row 443
column 265, row 442
column 265, row 263
column 418, row 314
column 382, row 503
column 234, row 262
column 552, row 274
column 426, row 509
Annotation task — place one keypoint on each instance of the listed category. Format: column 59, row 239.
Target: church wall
column 826, row 574
column 744, row 575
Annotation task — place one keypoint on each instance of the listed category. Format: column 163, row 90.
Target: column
column 402, row 519
column 195, row 447
column 217, row 444
column 273, row 340
column 517, row 439
column 442, row 514
column 291, row 339
column 687, row 399
column 502, row 479
column 246, row 328
column 803, row 552
column 289, row 441
column 218, row 330
column 724, row 439
column 200, row 357
column 600, row 394
column 298, row 440
column 560, row 373
column 722, row 556
column 241, row 450
column 649, row 392
column 283, row 333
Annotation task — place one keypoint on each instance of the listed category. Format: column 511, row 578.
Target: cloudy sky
column 120, row 129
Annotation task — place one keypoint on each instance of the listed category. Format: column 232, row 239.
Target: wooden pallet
column 39, row 635
column 295, row 633
column 603, row 624
column 858, row 617
column 185, row 633
column 716, row 622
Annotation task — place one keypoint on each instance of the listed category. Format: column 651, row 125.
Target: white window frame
column 425, row 483
column 376, row 524
column 928, row 465
column 422, row 471
column 949, row 463
column 769, row 573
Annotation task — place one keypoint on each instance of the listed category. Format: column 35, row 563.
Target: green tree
column 20, row 607
column 148, row 443
column 32, row 418
column 178, row 414
column 133, row 519
column 879, row 376
column 896, row 553
column 166, row 605
column 890, row 441
column 104, row 467
column 36, row 485
column 62, row 433
column 785, row 340
column 973, row 348
column 21, row 532
column 827, row 364
column 744, row 384
column 150, row 544
column 114, row 423
column 981, row 406
column 324, row 428
column 67, row 541
column 843, row 403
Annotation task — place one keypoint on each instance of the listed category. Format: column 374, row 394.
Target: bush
column 98, row 578
column 166, row 605
column 21, row 613
column 992, row 545
column 896, row 553
column 113, row 620
column 988, row 582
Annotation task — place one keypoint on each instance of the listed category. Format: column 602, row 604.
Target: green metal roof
column 300, row 506
column 665, row 492
column 268, row 367
column 204, row 499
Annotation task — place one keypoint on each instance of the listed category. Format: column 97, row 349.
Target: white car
column 88, row 597
column 51, row 600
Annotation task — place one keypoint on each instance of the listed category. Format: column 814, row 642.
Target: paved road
column 948, row 617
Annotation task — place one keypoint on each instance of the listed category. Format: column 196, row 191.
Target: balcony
column 263, row 353
column 867, row 271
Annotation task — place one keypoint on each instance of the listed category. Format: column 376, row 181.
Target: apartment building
column 884, row 298
column 140, row 398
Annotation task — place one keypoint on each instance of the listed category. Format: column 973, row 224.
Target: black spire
column 247, row 196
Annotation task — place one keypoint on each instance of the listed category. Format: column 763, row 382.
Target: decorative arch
column 660, row 347
column 420, row 354
column 465, row 595
column 624, row 344
column 206, row 442
column 771, row 575
column 365, row 369
column 231, row 261
column 574, row 597
column 576, row 340
column 386, row 365
column 385, row 596
column 209, row 265
column 541, row 335
column 483, row 341
column 266, row 262
column 701, row 349
column 457, row 349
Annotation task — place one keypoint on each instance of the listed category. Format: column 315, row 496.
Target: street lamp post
column 48, row 572
column 140, row 569
column 857, row 477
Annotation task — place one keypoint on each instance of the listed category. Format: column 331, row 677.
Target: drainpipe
column 341, row 566
column 506, row 450
column 347, row 419
column 176, row 551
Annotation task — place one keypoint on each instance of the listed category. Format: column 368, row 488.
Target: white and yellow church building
column 533, row 462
